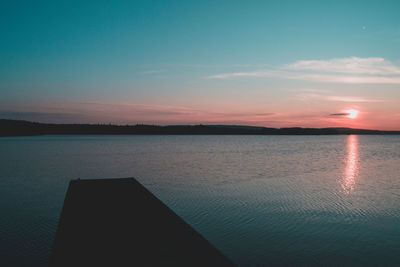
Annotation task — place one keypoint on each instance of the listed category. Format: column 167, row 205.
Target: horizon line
column 197, row 124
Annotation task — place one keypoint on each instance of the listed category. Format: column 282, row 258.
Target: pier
column 118, row 222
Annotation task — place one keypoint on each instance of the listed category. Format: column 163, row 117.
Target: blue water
column 279, row 200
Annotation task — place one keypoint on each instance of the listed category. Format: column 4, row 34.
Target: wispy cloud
column 343, row 78
column 243, row 74
column 348, row 99
column 351, row 65
column 353, row 70
column 352, row 99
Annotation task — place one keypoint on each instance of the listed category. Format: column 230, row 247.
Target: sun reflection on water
column 350, row 172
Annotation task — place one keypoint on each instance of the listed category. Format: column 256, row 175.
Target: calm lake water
column 280, row 200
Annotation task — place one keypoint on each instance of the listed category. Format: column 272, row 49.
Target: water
column 279, row 200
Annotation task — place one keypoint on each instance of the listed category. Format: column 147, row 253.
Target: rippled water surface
column 303, row 200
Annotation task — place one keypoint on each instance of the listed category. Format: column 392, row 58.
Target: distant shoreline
column 27, row 128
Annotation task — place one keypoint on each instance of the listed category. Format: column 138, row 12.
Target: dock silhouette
column 118, row 222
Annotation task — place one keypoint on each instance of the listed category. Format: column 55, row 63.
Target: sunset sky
column 267, row 63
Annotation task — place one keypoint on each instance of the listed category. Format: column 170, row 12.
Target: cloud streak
column 244, row 74
column 352, row 70
column 351, row 65
column 339, row 114
column 347, row 99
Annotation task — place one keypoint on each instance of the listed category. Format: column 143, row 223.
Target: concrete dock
column 118, row 222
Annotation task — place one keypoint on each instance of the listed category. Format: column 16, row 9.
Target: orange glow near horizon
column 350, row 172
column 352, row 116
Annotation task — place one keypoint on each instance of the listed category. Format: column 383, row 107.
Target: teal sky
column 271, row 63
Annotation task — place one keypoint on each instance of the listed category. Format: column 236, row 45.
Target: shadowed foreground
column 117, row 222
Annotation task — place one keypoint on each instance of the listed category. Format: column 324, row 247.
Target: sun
column 352, row 113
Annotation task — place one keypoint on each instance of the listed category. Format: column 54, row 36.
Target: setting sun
column 352, row 113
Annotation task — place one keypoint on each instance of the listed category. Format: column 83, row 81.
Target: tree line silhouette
column 27, row 128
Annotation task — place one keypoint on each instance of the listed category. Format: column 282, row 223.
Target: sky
column 263, row 63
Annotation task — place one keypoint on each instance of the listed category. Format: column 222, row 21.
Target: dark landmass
column 26, row 128
column 118, row 222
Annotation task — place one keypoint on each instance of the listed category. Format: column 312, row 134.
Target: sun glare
column 352, row 113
